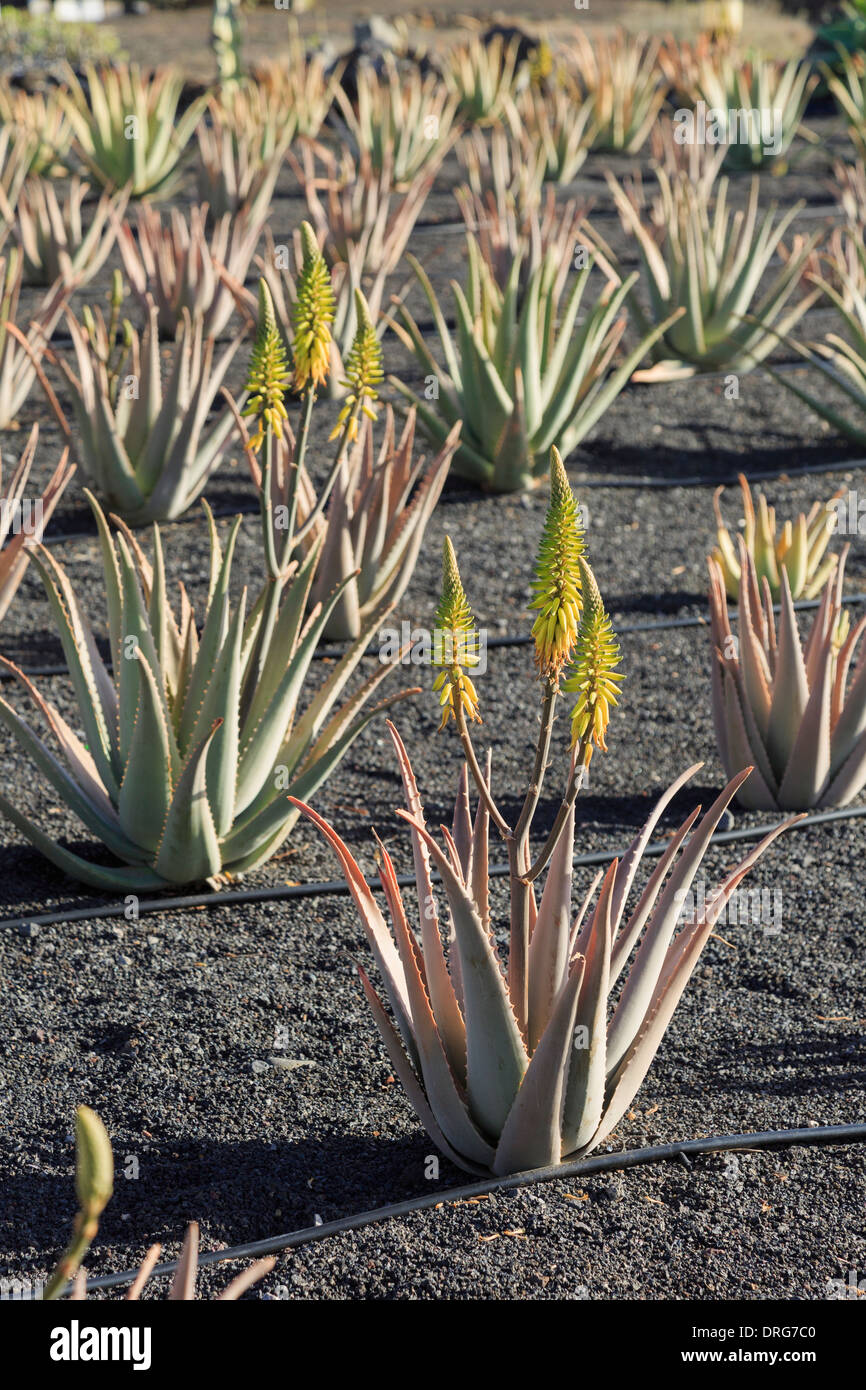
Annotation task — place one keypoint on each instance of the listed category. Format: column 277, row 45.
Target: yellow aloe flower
column 312, row 313
column 268, row 374
column 456, row 645
column 594, row 678
column 556, row 586
column 364, row 372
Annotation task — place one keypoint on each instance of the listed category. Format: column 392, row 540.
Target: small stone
column 28, row 929
column 259, row 1067
column 124, row 960
column 289, row 1063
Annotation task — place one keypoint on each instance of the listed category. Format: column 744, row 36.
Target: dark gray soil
column 174, row 1027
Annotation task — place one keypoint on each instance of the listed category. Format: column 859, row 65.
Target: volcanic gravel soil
column 229, row 1050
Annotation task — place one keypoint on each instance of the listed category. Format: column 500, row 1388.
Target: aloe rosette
column 520, row 1066
column 794, row 707
column 522, row 373
column 708, row 261
column 194, row 737
column 800, row 549
column 146, row 440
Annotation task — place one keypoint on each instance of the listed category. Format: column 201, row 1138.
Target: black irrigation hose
column 580, row 1168
column 339, row 887
column 515, row 640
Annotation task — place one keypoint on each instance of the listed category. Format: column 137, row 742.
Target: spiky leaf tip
column 557, row 583
column 594, row 678
column 312, row 314
column 269, row 373
column 455, row 645
column 365, row 371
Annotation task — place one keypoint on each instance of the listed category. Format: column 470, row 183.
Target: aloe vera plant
column 756, row 90
column 519, row 1068
column 126, row 126
column 799, row 550
column 144, row 440
column 19, row 352
column 195, row 736
column 43, row 126
column 840, row 358
column 504, row 204
column 621, row 79
column 375, row 522
column 54, row 241
column 400, row 122
column 699, row 256
column 94, row 1186
column 484, row 77
column 520, row 375
column 180, row 269
column 190, row 741
column 23, row 519
column 239, row 160
column 786, row 703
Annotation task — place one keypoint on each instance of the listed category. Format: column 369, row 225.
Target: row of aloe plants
column 535, row 360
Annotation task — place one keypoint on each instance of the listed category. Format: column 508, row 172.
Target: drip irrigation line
column 339, row 888
column 521, row 639
column 579, row 1168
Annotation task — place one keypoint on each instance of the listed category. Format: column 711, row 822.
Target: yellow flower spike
column 557, row 583
column 364, row 371
column 594, row 678
column 456, row 644
column 269, row 373
column 312, row 313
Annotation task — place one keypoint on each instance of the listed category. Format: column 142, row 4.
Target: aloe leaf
column 809, row 763
column 548, row 947
column 409, row 1080
column 628, row 865
column 443, row 997
column 641, row 980
column 82, row 659
column 379, row 938
column 130, row 878
column 189, row 849
column 532, row 1134
column 146, row 789
column 439, row 1083
column 87, row 801
column 790, row 686
column 584, row 1097
column 211, row 642
column 496, row 1058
